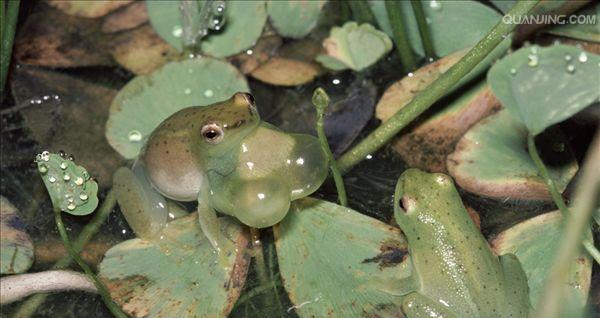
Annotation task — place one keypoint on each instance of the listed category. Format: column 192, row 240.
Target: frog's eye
column 212, row 133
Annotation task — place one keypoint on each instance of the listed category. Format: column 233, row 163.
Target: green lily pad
column 544, row 86
column 294, row 19
column 355, row 47
column 70, row 186
column 491, row 160
column 178, row 276
column 16, row 247
column 535, row 243
column 453, row 25
column 581, row 31
column 336, row 262
column 244, row 22
column 142, row 104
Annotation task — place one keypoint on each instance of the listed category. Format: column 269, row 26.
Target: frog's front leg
column 209, row 223
column 416, row 305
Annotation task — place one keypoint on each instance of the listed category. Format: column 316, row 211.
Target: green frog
column 225, row 158
column 455, row 273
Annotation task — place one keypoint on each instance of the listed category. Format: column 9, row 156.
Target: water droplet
column 134, row 136
column 71, row 157
column 533, row 50
column 66, row 177
column 71, row 206
column 79, row 181
column 568, row 57
column 582, row 57
column 411, row 74
column 187, row 91
column 533, row 60
column 62, row 153
column 83, row 196
column 63, row 165
column 45, row 156
column 336, row 81
column 43, row 168
column 209, row 93
column 571, row 68
column 249, row 52
column 177, row 31
column 513, row 71
column 52, row 179
column 435, row 5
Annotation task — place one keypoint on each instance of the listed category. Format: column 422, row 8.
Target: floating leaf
column 581, row 31
column 491, row 160
column 355, row 47
column 294, row 19
column 244, row 24
column 453, row 25
column 336, row 262
column 16, row 247
column 88, row 8
column 147, row 100
column 544, row 86
column 70, row 186
column 178, row 276
column 535, row 243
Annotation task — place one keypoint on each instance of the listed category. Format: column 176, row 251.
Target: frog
column 224, row 157
column 454, row 271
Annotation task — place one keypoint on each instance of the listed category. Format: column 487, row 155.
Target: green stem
column 584, row 203
column 29, row 307
column 321, row 102
column 556, row 196
column 272, row 275
column 259, row 256
column 423, row 28
column 394, row 11
column 114, row 309
column 9, row 25
column 361, row 12
column 422, row 101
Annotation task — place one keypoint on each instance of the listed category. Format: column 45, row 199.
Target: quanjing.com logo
column 550, row 19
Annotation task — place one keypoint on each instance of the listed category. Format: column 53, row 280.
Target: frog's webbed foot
column 144, row 208
column 307, row 166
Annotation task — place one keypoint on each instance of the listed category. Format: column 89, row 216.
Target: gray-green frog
column 226, row 158
column 455, row 273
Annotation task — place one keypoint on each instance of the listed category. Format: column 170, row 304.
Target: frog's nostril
column 249, row 98
column 244, row 98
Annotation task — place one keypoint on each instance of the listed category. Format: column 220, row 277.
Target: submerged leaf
column 294, row 19
column 544, row 86
column 147, row 100
column 355, row 47
column 88, row 8
column 179, row 275
column 336, row 262
column 16, row 247
column 70, row 186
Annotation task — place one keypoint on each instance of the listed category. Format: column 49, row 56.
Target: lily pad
column 244, row 24
column 491, row 160
column 88, row 8
column 70, row 186
column 581, row 31
column 453, row 25
column 336, row 262
column 146, row 101
column 16, row 247
column 535, row 243
column 178, row 276
column 355, row 47
column 294, row 19
column 543, row 86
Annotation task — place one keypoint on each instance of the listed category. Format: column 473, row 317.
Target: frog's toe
column 262, row 203
column 307, row 166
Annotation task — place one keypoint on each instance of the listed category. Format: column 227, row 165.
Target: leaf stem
column 422, row 101
column 394, row 12
column 361, row 12
column 556, row 196
column 576, row 223
column 259, row 256
column 114, row 309
column 423, row 28
column 321, row 102
column 29, row 307
column 9, row 24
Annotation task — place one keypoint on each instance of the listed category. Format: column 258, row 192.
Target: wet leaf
column 491, row 160
column 16, row 247
column 535, row 243
column 127, row 18
column 88, row 8
column 454, row 25
column 294, row 19
column 581, row 31
column 70, row 186
column 336, row 262
column 179, row 275
column 244, row 24
column 147, row 100
column 354, row 47
column 543, row 86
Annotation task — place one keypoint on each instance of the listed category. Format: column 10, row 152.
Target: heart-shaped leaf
column 142, row 104
column 294, row 19
column 543, row 86
column 355, row 47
